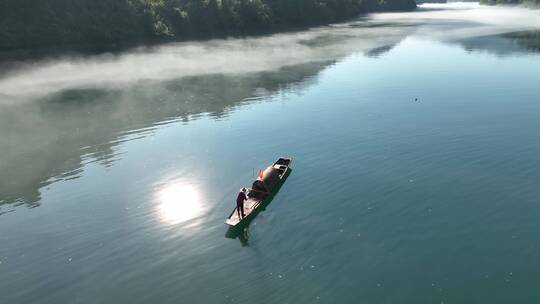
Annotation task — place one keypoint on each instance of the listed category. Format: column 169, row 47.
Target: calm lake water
column 117, row 171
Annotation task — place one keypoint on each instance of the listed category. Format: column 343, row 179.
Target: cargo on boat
column 266, row 185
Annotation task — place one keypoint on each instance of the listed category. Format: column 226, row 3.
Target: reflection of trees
column 376, row 52
column 49, row 140
column 503, row 45
column 528, row 40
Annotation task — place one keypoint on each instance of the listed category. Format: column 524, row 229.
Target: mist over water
column 511, row 17
column 177, row 60
column 457, row 20
column 416, row 161
column 270, row 53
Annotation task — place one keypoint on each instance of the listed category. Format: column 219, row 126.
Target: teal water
column 118, row 171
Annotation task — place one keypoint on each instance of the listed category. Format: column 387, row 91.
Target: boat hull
column 253, row 205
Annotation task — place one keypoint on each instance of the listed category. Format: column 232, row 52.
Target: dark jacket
column 240, row 199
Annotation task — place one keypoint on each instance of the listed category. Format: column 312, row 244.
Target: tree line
column 510, row 2
column 42, row 23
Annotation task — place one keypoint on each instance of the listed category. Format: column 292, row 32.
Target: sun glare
column 178, row 203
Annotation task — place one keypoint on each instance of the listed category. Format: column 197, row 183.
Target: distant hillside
column 26, row 24
column 511, row 2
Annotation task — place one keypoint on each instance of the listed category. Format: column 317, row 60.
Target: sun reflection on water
column 178, row 203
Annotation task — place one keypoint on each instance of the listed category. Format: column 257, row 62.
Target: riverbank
column 111, row 24
column 527, row 3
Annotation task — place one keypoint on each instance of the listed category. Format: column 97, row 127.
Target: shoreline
column 89, row 49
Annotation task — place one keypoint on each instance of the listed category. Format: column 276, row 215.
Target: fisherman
column 240, row 202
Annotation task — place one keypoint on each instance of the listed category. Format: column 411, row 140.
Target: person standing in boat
column 240, row 202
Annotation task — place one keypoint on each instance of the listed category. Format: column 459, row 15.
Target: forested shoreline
column 511, row 2
column 32, row 24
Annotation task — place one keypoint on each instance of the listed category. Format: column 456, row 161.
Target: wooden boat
column 262, row 190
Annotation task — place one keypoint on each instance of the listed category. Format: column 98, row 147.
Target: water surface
column 416, row 161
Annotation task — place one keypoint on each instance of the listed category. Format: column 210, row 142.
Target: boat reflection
column 241, row 231
column 178, row 202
